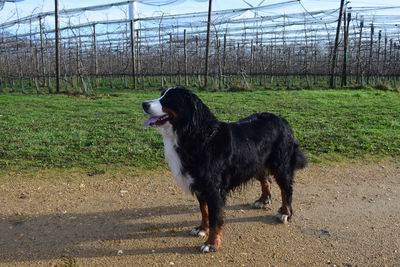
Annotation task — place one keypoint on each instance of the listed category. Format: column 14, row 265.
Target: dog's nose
column 145, row 106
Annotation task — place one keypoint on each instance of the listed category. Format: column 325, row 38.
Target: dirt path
column 346, row 215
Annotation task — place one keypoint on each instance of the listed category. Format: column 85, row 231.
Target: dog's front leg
column 201, row 230
column 215, row 218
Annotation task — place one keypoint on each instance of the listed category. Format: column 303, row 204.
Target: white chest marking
column 170, row 142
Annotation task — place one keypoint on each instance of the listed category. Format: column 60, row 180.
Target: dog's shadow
column 53, row 235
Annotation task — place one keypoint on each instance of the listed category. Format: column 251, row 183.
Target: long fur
column 220, row 156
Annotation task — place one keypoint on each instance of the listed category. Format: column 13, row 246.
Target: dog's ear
column 201, row 115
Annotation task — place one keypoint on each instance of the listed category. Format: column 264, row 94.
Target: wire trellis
column 170, row 49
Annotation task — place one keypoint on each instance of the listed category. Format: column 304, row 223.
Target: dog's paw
column 198, row 232
column 283, row 218
column 207, row 248
column 259, row 204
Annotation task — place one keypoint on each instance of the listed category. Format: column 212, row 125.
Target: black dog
column 209, row 158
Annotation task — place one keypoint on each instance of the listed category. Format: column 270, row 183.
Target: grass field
column 106, row 131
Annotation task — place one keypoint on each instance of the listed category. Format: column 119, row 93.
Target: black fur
column 222, row 156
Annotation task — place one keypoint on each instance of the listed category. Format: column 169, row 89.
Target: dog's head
column 178, row 107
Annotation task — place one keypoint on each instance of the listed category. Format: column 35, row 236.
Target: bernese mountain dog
column 209, row 158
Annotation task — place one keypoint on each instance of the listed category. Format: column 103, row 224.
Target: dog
column 209, row 158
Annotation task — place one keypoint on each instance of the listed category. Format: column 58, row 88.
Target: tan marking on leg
column 265, row 189
column 204, row 217
column 214, row 238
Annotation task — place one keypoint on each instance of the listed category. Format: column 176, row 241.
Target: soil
column 346, row 214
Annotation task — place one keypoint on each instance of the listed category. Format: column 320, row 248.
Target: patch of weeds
column 381, row 86
column 236, row 88
column 66, row 261
column 357, row 86
column 95, row 170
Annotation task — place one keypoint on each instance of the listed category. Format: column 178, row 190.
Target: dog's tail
column 299, row 159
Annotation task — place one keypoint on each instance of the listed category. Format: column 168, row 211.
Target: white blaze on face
column 155, row 108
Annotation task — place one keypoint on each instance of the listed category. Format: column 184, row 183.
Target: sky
column 16, row 10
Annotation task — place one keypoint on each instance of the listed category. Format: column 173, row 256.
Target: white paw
column 197, row 232
column 260, row 204
column 283, row 218
column 206, row 248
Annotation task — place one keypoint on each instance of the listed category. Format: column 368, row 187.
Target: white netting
column 268, row 29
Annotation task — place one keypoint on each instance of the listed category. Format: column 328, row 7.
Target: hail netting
column 254, row 42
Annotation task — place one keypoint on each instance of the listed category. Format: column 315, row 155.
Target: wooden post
column 379, row 52
column 224, row 59
column 345, row 47
column 57, row 46
column 390, row 52
column 171, row 61
column 218, row 43
column 161, row 56
column 385, row 54
column 42, row 62
column 371, row 45
column 335, row 48
column 251, row 61
column 207, row 43
column 185, row 57
column 96, row 63
column 198, row 60
column 359, row 74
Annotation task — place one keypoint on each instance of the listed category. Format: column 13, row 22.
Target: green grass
column 105, row 131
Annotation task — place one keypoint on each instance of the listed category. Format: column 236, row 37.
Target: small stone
column 23, row 196
column 123, row 191
column 171, row 263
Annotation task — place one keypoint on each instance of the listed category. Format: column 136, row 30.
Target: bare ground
column 346, row 215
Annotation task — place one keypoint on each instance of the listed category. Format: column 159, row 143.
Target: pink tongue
column 148, row 122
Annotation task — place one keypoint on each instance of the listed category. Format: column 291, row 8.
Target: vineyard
column 253, row 47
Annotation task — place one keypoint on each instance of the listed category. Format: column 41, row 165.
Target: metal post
column 57, row 46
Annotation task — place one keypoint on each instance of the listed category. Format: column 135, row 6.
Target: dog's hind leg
column 285, row 181
column 203, row 229
column 265, row 198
